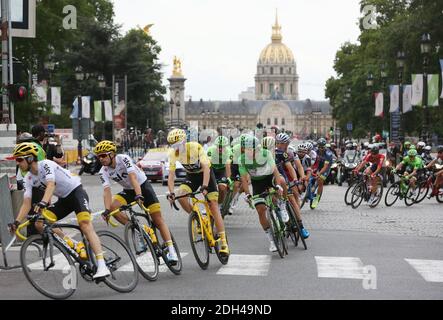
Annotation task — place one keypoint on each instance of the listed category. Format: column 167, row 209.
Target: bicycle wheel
column 411, row 195
column 392, row 194
column 120, row 261
column 177, row 267
column 357, row 195
column 439, row 196
column 295, row 229
column 348, row 195
column 378, row 195
column 274, row 228
column 141, row 247
column 57, row 282
column 423, row 191
column 199, row 243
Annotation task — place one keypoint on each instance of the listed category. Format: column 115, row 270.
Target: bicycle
column 276, row 225
column 424, row 184
column 362, row 192
column 399, row 189
column 48, row 258
column 352, row 182
column 311, row 192
column 224, row 208
column 201, row 230
column 293, row 227
column 145, row 243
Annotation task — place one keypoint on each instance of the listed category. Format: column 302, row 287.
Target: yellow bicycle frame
column 27, row 223
column 204, row 221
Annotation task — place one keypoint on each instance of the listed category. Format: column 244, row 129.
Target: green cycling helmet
column 249, row 142
column 222, row 141
column 412, row 153
column 407, row 143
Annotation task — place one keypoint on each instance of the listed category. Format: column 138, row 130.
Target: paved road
column 380, row 253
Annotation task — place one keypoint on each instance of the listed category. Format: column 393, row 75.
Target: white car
column 180, row 173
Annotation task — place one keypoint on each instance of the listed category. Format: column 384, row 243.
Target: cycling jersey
column 375, row 159
column 306, row 163
column 219, row 159
column 282, row 158
column 48, row 170
column 322, row 158
column 258, row 168
column 417, row 163
column 191, row 158
column 313, row 155
column 124, row 165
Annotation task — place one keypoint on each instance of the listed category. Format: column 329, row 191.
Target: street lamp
column 171, row 103
column 370, row 85
column 384, row 76
column 425, row 48
column 400, row 62
column 79, row 76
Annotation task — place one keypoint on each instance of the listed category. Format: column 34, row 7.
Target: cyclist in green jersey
column 235, row 173
column 259, row 165
column 411, row 163
column 220, row 155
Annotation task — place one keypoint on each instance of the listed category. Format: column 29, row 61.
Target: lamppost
column 370, row 85
column 346, row 101
column 400, row 62
column 102, row 86
column 177, row 104
column 425, row 48
column 79, row 76
column 384, row 76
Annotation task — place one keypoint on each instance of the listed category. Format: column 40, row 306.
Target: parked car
column 180, row 173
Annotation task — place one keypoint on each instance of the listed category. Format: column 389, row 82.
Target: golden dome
column 276, row 52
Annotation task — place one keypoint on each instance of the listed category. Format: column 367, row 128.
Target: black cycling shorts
column 151, row 201
column 260, row 186
column 195, row 181
column 77, row 201
column 235, row 172
column 219, row 174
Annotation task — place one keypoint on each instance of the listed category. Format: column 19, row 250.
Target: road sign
column 51, row 128
column 349, row 126
column 23, row 16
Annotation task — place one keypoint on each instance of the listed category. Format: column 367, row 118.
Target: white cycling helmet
column 421, row 144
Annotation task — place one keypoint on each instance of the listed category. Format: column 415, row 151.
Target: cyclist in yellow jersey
column 198, row 168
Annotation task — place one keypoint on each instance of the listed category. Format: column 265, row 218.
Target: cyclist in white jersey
column 54, row 180
column 136, row 187
column 311, row 153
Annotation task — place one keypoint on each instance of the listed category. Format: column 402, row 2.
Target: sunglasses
column 21, row 159
column 103, row 155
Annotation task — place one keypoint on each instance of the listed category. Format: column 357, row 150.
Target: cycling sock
column 222, row 235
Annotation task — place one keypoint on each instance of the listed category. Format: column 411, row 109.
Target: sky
column 219, row 42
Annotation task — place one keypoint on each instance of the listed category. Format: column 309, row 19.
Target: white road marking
column 61, row 263
column 147, row 263
column 340, row 267
column 246, row 265
column 430, row 270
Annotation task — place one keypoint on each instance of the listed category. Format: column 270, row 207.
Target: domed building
column 274, row 101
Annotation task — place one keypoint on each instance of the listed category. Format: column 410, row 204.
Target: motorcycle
column 332, row 178
column 349, row 162
column 90, row 164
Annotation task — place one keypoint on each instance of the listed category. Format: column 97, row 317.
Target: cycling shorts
column 77, row 201
column 195, row 181
column 151, row 201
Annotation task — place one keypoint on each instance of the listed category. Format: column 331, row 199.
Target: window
column 261, row 88
column 272, row 70
column 290, row 70
column 281, row 70
column 283, row 122
column 276, row 121
column 271, row 88
column 269, row 121
column 282, row 88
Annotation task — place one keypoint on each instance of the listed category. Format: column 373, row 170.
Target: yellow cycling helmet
column 105, row 146
column 25, row 149
column 176, row 135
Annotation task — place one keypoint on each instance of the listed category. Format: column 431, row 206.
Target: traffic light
column 18, row 92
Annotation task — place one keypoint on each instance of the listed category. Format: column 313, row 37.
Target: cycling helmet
column 282, row 138
column 348, row 141
column 321, row 142
column 303, row 147
column 349, row 146
column 407, row 144
column 176, row 135
column 25, row 136
column 249, row 142
column 413, row 147
column 105, row 146
column 293, row 149
column 412, row 153
column 421, row 144
column 427, row 149
column 355, row 145
column 268, row 143
column 25, row 149
column 374, row 149
column 222, row 141
column 310, row 146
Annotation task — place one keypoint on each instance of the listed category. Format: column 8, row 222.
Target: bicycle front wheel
column 295, row 230
column 348, row 195
column 411, row 196
column 57, row 281
column 144, row 252
column 378, row 195
column 199, row 243
column 357, row 195
column 274, row 228
column 392, row 194
column 422, row 192
column 120, row 261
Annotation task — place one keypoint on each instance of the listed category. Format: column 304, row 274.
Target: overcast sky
column 219, row 42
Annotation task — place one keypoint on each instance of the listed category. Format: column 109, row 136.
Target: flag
column 74, row 113
column 98, row 111
column 40, row 92
column 108, row 110
column 86, row 108
column 432, row 90
column 379, row 104
column 441, row 64
column 407, row 96
column 417, row 90
column 56, row 100
column 394, row 92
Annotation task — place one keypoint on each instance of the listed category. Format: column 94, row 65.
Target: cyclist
column 322, row 168
column 426, row 155
column 136, row 187
column 235, row 173
column 198, row 167
column 439, row 174
column 376, row 159
column 406, row 147
column 411, row 164
column 421, row 148
column 259, row 165
column 220, row 154
column 54, row 180
column 311, row 152
column 290, row 168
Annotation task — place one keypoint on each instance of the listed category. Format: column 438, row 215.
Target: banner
column 119, row 104
column 86, row 107
column 433, row 90
column 40, row 93
column 441, row 64
column 108, row 110
column 417, row 90
column 394, row 93
column 407, row 97
column 379, row 104
column 56, row 102
column 74, row 113
column 98, row 111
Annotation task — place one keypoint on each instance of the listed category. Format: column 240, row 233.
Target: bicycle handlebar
column 124, row 208
column 192, row 195
column 32, row 218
